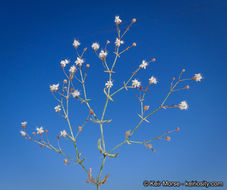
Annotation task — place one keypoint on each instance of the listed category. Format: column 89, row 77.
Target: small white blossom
column 23, row 133
column 102, row 54
column 76, row 93
column 63, row 133
column 109, row 84
column 64, row 62
column 198, row 77
column 76, row 43
column 136, row 83
column 72, row 69
column 24, row 123
column 153, row 80
column 79, row 61
column 40, row 130
column 118, row 42
column 95, row 46
column 57, row 108
column 117, row 20
column 54, row 87
column 144, row 64
column 183, row 105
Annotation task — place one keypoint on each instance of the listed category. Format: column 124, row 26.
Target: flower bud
column 187, row 87
column 87, row 66
column 46, row 131
column 85, row 49
column 168, row 138
column 80, row 128
column 127, row 133
column 107, row 41
column 183, row 70
column 153, row 60
column 91, row 112
column 33, row 133
column 149, row 146
column 23, row 124
column 105, row 179
column 146, row 108
column 65, row 81
column 87, row 181
column 66, row 161
column 178, row 129
column 134, row 44
column 133, row 20
column 58, row 137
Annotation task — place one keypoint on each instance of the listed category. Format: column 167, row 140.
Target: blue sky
column 36, row 35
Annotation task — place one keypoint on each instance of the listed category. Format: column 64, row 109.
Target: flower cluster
column 118, row 42
column 95, row 46
column 54, row 87
column 102, row 54
column 76, row 43
column 144, row 64
column 64, row 62
column 109, row 84
column 74, row 88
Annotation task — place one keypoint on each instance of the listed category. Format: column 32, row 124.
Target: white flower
column 72, row 69
column 183, row 105
column 136, row 83
column 109, row 84
column 57, row 108
column 76, row 43
column 153, row 80
column 144, row 64
column 76, row 93
column 64, row 62
column 54, row 87
column 23, row 133
column 63, row 133
column 79, row 61
column 95, row 46
column 24, row 123
column 102, row 54
column 117, row 20
column 40, row 130
column 118, row 42
column 198, row 77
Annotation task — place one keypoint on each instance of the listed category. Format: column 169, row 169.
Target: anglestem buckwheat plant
column 67, row 90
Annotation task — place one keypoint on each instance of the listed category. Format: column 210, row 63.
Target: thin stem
column 146, row 118
column 133, row 74
column 67, row 118
column 97, row 187
column 101, row 168
column 117, row 146
column 84, row 90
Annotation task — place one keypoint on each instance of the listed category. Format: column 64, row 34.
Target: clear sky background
column 36, row 35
